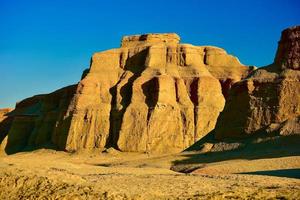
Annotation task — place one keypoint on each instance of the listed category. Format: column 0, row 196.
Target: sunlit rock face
column 269, row 98
column 152, row 94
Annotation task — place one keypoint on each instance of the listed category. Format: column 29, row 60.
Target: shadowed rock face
column 38, row 121
column 269, row 99
column 151, row 95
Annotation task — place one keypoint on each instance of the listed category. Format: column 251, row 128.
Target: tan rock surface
column 149, row 39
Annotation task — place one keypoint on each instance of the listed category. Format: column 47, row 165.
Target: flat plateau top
column 133, row 40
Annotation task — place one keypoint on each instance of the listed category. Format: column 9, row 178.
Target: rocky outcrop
column 39, row 121
column 152, row 94
column 268, row 98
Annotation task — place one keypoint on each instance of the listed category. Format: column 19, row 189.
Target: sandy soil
column 48, row 174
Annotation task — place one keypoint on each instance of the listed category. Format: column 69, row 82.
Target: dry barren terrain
column 48, row 174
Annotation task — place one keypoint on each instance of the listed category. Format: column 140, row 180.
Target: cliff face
column 152, row 94
column 269, row 98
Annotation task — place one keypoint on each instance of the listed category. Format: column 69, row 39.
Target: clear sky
column 45, row 45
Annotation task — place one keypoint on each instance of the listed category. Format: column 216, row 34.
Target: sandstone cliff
column 152, row 94
column 268, row 100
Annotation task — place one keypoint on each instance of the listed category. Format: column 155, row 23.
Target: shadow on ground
column 289, row 173
column 208, row 150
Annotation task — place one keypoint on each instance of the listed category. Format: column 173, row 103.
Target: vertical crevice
column 121, row 60
column 168, row 60
column 112, row 118
column 150, row 90
column 205, row 61
column 182, row 112
column 193, row 90
column 176, row 91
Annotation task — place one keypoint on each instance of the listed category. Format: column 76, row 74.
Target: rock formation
column 152, row 94
column 267, row 100
column 39, row 121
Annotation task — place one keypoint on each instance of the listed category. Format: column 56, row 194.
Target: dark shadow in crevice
column 194, row 91
column 193, row 94
column 150, row 90
column 225, row 86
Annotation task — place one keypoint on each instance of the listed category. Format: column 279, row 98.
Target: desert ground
column 50, row 174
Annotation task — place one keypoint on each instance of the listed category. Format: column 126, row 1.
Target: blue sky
column 45, row 45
